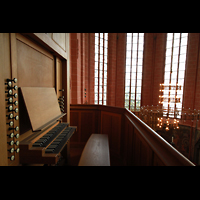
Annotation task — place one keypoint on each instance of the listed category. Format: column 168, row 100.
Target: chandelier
column 164, row 115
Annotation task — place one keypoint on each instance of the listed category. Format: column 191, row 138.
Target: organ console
column 49, row 135
column 24, row 59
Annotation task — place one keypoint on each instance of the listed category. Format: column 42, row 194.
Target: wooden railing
column 130, row 139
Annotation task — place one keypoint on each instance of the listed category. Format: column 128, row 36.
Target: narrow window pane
column 134, row 66
column 96, row 73
column 168, row 52
column 96, row 89
column 176, row 46
column 176, row 42
column 101, row 49
column 169, row 36
column 184, row 41
column 100, row 89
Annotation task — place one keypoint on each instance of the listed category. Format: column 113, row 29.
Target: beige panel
column 34, row 67
column 41, row 104
column 60, row 39
column 4, row 73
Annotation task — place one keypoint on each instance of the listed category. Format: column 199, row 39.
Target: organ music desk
column 44, row 142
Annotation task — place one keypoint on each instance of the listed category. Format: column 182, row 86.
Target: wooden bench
column 96, row 151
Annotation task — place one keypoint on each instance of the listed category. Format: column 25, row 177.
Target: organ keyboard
column 45, row 143
column 46, row 149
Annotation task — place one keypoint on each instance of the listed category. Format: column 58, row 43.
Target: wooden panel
column 142, row 153
column 96, row 151
column 56, row 42
column 4, row 73
column 157, row 161
column 74, row 118
column 41, row 104
column 111, row 125
column 58, row 77
column 87, row 125
column 60, row 39
column 130, row 145
column 34, row 67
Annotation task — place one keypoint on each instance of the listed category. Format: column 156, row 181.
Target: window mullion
column 98, row 66
column 103, row 70
column 170, row 74
column 136, row 71
column 130, row 71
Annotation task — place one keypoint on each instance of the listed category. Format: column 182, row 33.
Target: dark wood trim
column 139, row 144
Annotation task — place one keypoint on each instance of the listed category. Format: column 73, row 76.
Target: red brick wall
column 74, row 68
column 191, row 96
column 191, row 71
column 111, row 69
column 159, row 65
column 153, row 67
column 120, row 69
column 147, row 88
column 82, row 69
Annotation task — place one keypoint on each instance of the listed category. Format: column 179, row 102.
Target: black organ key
column 46, row 137
column 58, row 140
column 68, row 132
column 52, row 146
column 37, row 144
column 49, row 136
column 55, row 143
column 40, row 140
column 49, row 150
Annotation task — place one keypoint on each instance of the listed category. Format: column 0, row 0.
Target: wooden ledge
column 96, row 151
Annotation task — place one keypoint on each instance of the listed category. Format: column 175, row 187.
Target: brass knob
column 14, row 80
column 11, row 150
column 12, row 157
column 16, row 117
column 12, row 95
column 9, row 92
column 11, row 123
column 9, row 83
column 16, row 128
column 11, row 142
column 14, row 87
column 17, row 150
column 10, row 100
column 10, row 116
column 11, row 135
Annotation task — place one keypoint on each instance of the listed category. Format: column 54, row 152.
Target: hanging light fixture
column 159, row 117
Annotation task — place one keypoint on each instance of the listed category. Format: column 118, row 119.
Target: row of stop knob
column 12, row 103
column 61, row 101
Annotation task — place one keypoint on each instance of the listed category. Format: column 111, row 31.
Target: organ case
column 35, row 60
